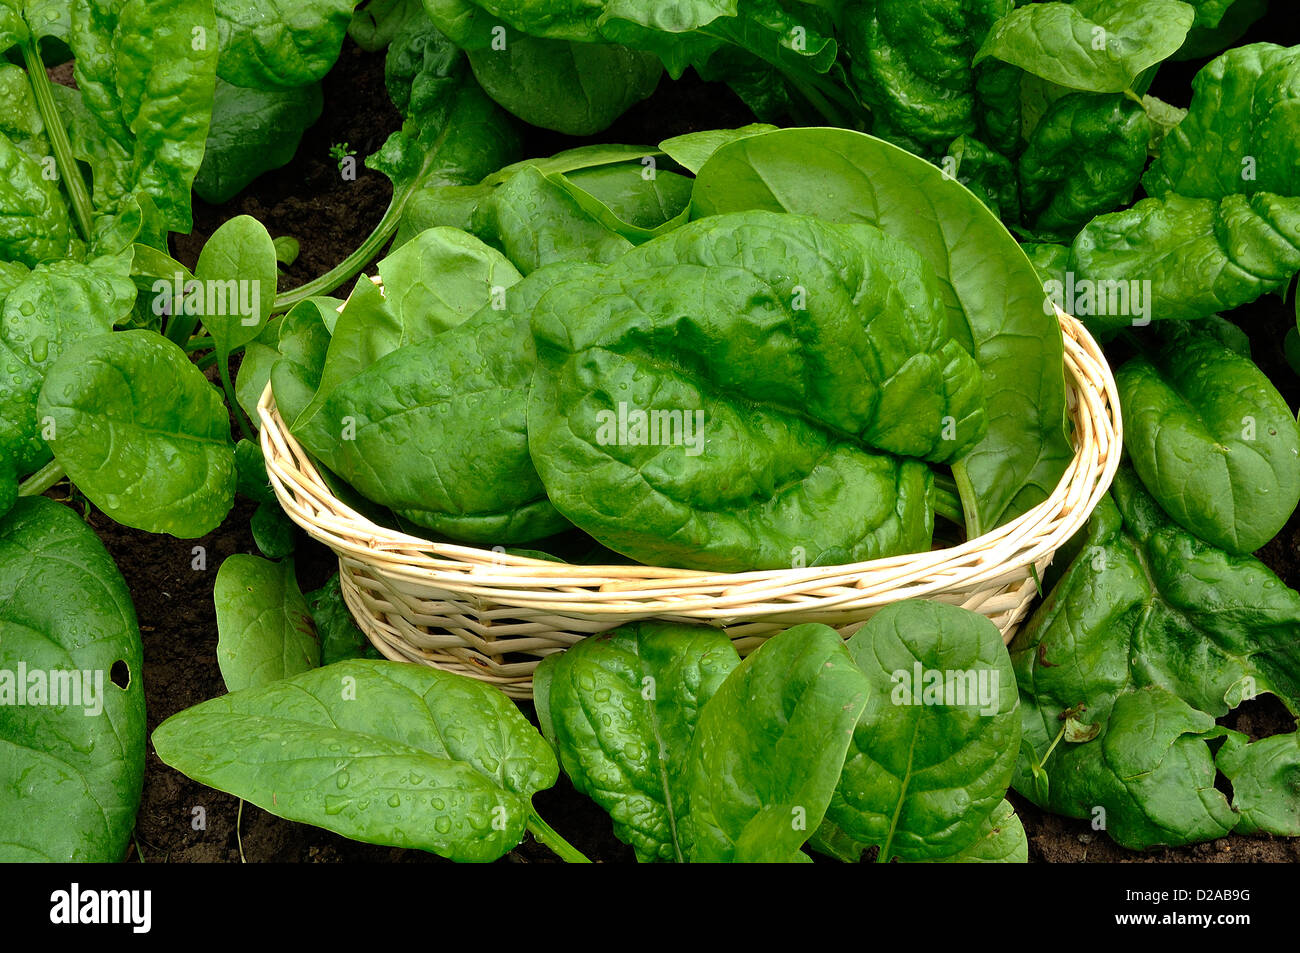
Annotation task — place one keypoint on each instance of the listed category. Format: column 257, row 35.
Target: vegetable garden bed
column 328, row 212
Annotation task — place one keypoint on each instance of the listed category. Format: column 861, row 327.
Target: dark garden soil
column 181, row 820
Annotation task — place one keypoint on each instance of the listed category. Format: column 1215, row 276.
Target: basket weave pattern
column 494, row 616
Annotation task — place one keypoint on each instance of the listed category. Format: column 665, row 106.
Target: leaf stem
column 349, row 266
column 223, row 368
column 42, row 479
column 544, row 834
column 78, row 195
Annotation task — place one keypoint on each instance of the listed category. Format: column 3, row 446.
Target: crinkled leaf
column 1212, row 439
column 621, row 708
column 279, row 44
column 1155, row 634
column 340, row 638
column 1265, row 778
column 1239, row 136
column 934, row 750
column 43, row 314
column 141, row 432
column 1202, row 256
column 988, row 286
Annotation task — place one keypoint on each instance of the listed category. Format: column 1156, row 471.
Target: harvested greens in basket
column 692, row 371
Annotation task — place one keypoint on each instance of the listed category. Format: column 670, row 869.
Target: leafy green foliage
column 987, row 285
column 1093, row 45
column 696, row 755
column 265, row 629
column 72, row 771
column 157, row 456
column 279, row 45
column 934, row 750
column 574, row 88
column 381, row 752
column 1212, row 440
column 1150, row 635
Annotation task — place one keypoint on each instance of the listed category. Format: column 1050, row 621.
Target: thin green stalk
column 42, row 479
column 199, row 344
column 68, row 168
column 543, row 834
column 239, row 837
column 349, row 266
column 223, row 368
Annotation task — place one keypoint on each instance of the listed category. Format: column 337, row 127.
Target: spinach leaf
column 693, row 149
column 1212, row 440
column 71, row 773
column 273, row 531
column 536, row 221
column 237, row 267
column 770, row 452
column 621, row 709
column 148, row 86
column 1001, row 841
column 157, row 455
column 382, row 752
column 638, row 202
column 988, row 286
column 1265, row 778
column 34, row 222
column 911, row 63
column 253, row 131
column 340, row 638
column 282, row 44
column 988, row 174
column 44, row 312
column 466, row 388
column 768, row 748
column 1239, row 136
column 574, row 88
column 1202, row 256
column 1150, row 635
column 440, row 278
column 934, row 749
column 1083, row 158
column 264, row 628
column 1094, row 45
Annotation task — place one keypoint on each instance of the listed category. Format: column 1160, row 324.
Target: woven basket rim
column 642, row 591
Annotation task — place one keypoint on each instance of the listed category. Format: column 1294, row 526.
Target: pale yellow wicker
column 494, row 616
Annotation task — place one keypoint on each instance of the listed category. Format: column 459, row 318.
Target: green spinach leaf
column 265, row 630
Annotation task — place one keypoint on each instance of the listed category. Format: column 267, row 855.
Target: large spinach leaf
column 382, row 752
column 988, row 286
column 621, row 709
column 1239, row 136
column 935, row 748
column 1095, row 45
column 156, row 455
column 1212, row 440
column 1201, row 256
column 279, row 44
column 72, row 766
column 769, row 377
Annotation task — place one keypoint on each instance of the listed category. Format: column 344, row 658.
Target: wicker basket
column 494, row 616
